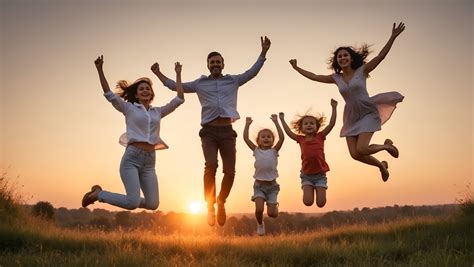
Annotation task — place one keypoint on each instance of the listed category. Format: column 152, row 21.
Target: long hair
column 358, row 56
column 128, row 92
column 297, row 124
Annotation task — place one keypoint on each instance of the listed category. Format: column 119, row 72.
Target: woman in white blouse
column 142, row 139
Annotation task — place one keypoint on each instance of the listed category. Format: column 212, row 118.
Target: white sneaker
column 261, row 229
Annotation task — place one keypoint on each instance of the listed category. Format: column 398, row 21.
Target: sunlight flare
column 195, row 207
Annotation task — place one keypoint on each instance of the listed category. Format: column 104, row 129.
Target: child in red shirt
column 313, row 166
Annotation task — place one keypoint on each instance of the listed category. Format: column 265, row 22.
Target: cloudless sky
column 59, row 135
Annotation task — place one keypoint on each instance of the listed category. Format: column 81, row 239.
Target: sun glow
column 195, row 207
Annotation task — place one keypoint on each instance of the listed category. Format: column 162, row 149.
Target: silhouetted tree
column 122, row 219
column 43, row 209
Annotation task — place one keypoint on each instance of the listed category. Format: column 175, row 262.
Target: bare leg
column 362, row 140
column 364, row 148
column 259, row 206
column 308, row 195
column 320, row 196
column 272, row 210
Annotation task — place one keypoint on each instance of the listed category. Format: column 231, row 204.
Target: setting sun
column 195, row 207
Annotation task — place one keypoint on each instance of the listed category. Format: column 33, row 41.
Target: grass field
column 422, row 241
column 414, row 242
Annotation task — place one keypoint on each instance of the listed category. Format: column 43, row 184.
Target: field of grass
column 423, row 241
column 414, row 242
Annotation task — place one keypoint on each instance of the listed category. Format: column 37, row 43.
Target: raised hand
column 333, row 103
column 99, row 61
column 274, row 117
column 293, row 63
column 265, row 43
column 155, row 68
column 177, row 67
column 248, row 120
column 396, row 30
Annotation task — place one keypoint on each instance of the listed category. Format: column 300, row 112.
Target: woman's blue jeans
column 137, row 170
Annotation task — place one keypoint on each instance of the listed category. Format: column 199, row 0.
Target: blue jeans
column 137, row 170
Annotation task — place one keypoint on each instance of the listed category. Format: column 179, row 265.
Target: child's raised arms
column 332, row 121
column 287, row 129
column 247, row 140
column 281, row 136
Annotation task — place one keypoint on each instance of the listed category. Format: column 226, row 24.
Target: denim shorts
column 314, row 180
column 267, row 191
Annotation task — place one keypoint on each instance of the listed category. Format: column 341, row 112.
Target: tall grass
column 415, row 242
column 423, row 241
column 11, row 198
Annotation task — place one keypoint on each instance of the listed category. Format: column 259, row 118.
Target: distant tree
column 43, row 209
column 122, row 219
column 101, row 212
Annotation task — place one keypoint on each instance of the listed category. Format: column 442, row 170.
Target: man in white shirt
column 217, row 94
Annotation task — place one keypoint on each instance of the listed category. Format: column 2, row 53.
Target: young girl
column 265, row 187
column 363, row 115
column 142, row 138
column 314, row 166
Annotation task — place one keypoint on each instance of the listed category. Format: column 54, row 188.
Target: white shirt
column 266, row 161
column 218, row 97
column 142, row 125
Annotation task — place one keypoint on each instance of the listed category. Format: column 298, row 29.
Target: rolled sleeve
column 187, row 87
column 117, row 102
column 171, row 106
column 250, row 73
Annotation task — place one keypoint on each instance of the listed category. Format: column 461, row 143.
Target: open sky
column 59, row 135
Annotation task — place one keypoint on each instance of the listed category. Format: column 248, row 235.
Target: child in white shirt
column 266, row 159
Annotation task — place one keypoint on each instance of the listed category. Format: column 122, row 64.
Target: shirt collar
column 136, row 104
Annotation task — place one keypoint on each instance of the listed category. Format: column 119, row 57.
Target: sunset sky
column 59, row 135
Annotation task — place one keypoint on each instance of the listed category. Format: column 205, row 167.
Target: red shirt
column 312, row 154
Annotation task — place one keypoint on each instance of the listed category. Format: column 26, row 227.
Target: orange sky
column 59, row 135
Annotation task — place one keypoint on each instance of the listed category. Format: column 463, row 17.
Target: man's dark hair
column 214, row 53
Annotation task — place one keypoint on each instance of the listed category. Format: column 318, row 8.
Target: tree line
column 240, row 225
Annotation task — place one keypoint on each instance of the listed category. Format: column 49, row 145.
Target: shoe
column 392, row 150
column 384, row 171
column 221, row 216
column 211, row 217
column 88, row 199
column 261, row 229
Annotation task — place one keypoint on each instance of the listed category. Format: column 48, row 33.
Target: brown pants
column 218, row 139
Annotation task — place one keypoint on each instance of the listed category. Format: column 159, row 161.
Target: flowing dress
column 364, row 114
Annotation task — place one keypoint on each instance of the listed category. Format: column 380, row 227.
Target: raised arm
column 155, row 68
column 310, row 75
column 99, row 62
column 281, row 136
column 332, row 121
column 287, row 129
column 179, row 86
column 373, row 63
column 247, row 140
column 266, row 43
column 255, row 69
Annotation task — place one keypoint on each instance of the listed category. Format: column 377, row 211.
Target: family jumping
column 217, row 93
